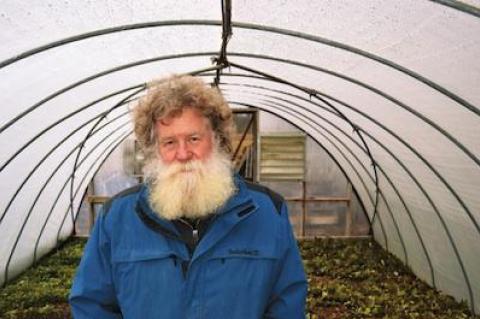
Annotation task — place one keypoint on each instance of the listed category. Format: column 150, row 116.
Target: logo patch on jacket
column 243, row 252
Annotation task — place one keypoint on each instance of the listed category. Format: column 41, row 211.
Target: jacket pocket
column 241, row 268
column 135, row 255
column 146, row 279
column 239, row 282
column 146, row 265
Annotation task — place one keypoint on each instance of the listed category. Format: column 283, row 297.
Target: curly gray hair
column 170, row 96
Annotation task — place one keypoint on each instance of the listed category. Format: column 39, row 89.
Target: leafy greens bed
column 352, row 278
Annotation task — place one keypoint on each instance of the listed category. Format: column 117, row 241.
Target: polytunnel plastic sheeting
column 388, row 89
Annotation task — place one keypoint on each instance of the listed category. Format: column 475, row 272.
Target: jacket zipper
column 195, row 236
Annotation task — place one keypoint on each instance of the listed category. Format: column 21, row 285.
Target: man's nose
column 183, row 154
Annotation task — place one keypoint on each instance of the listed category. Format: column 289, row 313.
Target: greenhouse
column 364, row 116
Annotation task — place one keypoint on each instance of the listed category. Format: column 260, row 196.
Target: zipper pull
column 195, row 236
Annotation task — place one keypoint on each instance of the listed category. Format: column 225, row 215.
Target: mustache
column 194, row 166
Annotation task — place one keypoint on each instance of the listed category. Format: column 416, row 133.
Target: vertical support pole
column 349, row 213
column 304, row 206
column 256, row 147
column 91, row 206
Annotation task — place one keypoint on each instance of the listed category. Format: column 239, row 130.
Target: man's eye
column 167, row 143
column 194, row 139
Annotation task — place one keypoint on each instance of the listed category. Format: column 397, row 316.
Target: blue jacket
column 247, row 265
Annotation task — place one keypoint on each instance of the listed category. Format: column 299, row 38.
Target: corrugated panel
column 282, row 157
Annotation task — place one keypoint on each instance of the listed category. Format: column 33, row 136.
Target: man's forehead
column 166, row 134
column 186, row 121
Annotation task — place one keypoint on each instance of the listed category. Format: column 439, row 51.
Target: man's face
column 193, row 177
column 184, row 137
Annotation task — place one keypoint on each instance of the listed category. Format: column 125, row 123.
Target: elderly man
column 196, row 240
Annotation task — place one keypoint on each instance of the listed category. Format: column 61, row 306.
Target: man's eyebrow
column 164, row 138
column 167, row 137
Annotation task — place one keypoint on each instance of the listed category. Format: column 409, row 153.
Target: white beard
column 193, row 190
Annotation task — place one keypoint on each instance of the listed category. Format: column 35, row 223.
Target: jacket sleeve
column 92, row 294
column 290, row 289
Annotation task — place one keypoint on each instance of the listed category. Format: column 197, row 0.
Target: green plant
column 42, row 291
column 348, row 278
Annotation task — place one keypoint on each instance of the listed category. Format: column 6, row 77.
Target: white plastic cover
column 390, row 89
